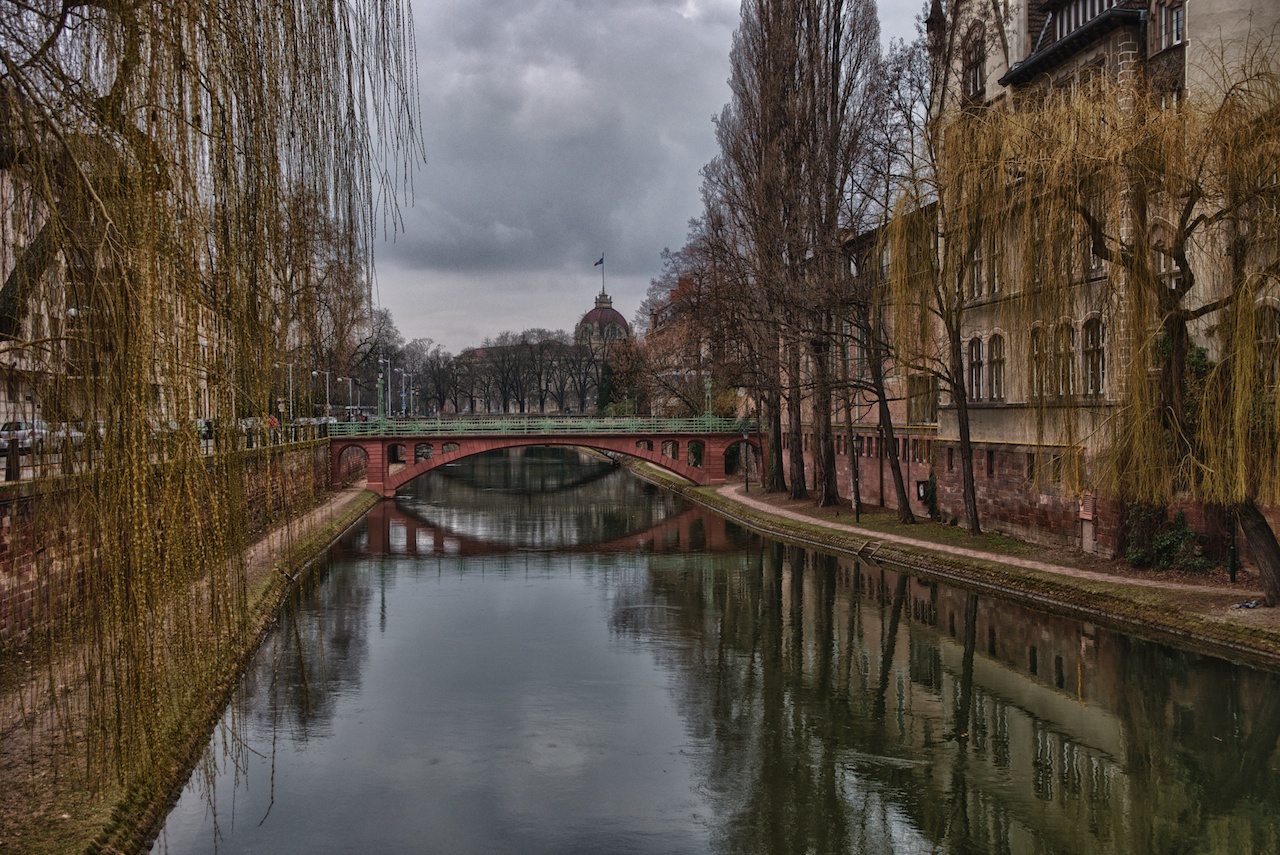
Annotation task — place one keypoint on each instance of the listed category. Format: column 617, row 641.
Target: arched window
column 1095, row 358
column 995, row 361
column 1064, row 357
column 975, row 369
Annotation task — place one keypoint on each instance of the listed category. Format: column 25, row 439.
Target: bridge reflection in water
column 468, row 511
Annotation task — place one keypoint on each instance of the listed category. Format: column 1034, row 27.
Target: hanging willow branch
column 173, row 176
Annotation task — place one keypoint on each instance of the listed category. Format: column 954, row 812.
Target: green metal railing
column 541, row 425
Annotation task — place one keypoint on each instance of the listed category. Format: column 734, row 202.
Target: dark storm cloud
column 555, row 130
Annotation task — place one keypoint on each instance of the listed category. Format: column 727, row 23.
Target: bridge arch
column 350, row 464
column 736, row 455
column 397, row 452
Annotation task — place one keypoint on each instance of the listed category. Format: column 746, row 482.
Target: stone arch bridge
column 399, row 450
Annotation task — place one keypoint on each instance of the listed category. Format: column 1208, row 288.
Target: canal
column 538, row 653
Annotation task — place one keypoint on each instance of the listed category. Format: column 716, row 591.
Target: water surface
column 538, row 653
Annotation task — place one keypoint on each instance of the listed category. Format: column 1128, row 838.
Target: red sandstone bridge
column 399, row 450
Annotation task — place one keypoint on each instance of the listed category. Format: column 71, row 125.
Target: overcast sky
column 556, row 131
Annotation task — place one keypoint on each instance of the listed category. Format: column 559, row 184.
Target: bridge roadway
column 399, row 450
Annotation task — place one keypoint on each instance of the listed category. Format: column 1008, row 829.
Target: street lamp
column 404, row 375
column 290, row 367
column 317, row 373
column 382, row 413
column 350, row 384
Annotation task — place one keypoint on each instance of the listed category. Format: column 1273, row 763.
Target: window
column 975, row 370
column 1064, row 346
column 995, row 363
column 976, row 283
column 974, row 70
column 1095, row 358
column 1039, row 362
column 1166, row 266
column 1268, row 322
column 1171, row 21
column 922, row 399
column 993, row 264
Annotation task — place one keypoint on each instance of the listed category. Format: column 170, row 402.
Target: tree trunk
column 876, row 366
column 824, row 449
column 1266, row 551
column 795, row 426
column 960, row 394
column 775, row 480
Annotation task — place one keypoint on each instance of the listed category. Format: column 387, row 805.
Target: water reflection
column 467, row 676
column 542, row 498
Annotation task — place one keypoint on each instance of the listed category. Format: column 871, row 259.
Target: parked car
column 26, row 435
column 66, row 432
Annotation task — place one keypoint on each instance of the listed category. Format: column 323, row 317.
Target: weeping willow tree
column 1177, row 202
column 169, row 173
column 1133, row 240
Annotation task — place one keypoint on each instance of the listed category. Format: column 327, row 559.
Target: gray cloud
column 555, row 130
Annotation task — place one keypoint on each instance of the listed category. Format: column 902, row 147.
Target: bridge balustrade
column 536, row 424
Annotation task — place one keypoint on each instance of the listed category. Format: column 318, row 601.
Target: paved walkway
column 260, row 557
column 734, row 493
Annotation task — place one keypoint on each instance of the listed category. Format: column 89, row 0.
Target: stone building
column 1040, row 391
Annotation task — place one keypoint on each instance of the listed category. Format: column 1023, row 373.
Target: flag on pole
column 600, row 262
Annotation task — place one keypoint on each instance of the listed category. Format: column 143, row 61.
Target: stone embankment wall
column 1014, row 499
column 280, row 481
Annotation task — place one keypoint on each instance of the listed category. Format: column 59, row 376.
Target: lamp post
column 404, row 375
column 746, row 464
column 382, row 413
column 857, row 489
column 289, row 365
column 350, row 385
column 317, row 373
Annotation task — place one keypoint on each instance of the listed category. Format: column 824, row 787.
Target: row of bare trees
column 532, row 371
column 869, row 218
column 763, row 292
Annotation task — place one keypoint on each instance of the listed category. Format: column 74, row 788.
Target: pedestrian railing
column 542, row 425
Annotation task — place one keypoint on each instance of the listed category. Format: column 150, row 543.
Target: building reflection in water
column 853, row 708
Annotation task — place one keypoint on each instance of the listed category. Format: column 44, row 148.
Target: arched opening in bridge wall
column 741, row 459
column 696, row 453
column 645, row 445
column 449, row 448
column 353, row 464
column 423, row 451
column 671, row 448
column 395, row 453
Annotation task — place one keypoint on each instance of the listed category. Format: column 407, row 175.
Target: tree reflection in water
column 824, row 705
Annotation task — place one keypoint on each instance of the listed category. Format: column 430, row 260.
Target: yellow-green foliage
column 1163, row 220
column 157, row 264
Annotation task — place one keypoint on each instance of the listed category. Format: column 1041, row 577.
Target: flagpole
column 601, row 274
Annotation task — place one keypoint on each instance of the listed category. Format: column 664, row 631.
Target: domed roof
column 604, row 315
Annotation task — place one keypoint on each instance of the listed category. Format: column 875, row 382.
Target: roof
column 1057, row 52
